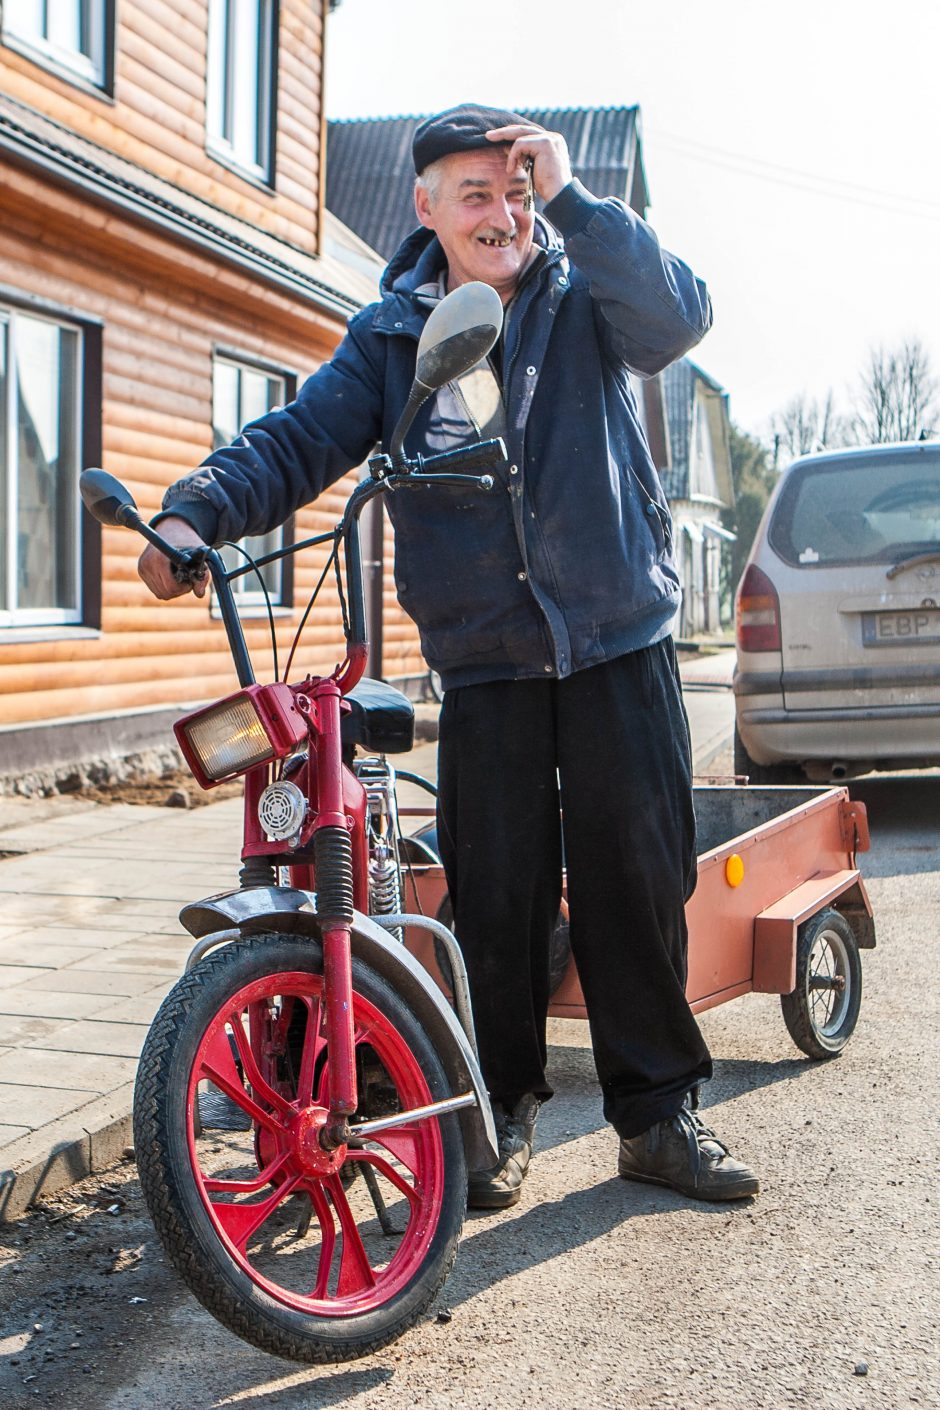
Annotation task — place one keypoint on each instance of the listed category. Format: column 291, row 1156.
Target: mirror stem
column 416, row 398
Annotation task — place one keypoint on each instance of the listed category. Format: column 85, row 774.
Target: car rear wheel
column 759, row 774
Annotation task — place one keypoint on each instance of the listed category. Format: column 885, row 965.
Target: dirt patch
column 82, row 1280
column 176, row 789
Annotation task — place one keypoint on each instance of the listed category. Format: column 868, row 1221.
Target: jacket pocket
column 661, row 520
column 656, row 515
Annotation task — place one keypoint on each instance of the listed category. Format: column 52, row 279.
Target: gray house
column 699, row 486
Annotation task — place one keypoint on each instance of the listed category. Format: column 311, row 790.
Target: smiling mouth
column 502, row 243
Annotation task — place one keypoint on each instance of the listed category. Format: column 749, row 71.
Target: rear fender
column 232, row 914
column 776, row 928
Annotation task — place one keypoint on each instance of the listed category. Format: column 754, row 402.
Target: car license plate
column 889, row 628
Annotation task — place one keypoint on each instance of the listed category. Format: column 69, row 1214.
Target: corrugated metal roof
column 679, row 388
column 679, row 381
column 369, row 175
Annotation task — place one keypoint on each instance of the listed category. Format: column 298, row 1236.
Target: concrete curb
column 65, row 1151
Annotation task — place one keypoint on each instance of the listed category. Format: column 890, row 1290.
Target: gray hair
column 430, row 178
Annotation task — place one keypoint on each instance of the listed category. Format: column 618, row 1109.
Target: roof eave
column 95, row 183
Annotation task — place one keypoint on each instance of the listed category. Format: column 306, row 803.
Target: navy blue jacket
column 569, row 561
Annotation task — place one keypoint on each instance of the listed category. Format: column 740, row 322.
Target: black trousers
column 615, row 739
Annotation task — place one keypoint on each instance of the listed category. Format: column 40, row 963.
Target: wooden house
column 167, row 271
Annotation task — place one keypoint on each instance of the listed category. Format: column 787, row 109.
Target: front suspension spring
column 332, row 853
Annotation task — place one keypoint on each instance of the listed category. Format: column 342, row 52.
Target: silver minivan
column 838, row 619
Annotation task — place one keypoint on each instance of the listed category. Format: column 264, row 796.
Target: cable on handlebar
column 342, row 596
column 227, row 543
column 331, row 559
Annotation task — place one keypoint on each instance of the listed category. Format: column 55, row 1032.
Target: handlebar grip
column 193, row 569
column 482, row 456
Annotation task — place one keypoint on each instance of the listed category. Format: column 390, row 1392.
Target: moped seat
column 382, row 720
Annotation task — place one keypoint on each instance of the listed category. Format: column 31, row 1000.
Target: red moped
column 307, row 1101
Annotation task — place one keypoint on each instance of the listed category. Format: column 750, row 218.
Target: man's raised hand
column 548, row 151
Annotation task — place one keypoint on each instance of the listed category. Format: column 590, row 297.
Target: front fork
column 333, row 863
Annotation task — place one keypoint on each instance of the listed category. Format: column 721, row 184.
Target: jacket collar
column 419, row 261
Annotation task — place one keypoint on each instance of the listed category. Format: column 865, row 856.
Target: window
column 240, row 394
column 239, row 83
column 40, row 450
column 70, row 32
column 879, row 509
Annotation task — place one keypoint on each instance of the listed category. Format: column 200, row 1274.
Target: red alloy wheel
column 275, row 1198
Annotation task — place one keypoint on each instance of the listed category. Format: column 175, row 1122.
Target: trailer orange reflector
column 734, row 870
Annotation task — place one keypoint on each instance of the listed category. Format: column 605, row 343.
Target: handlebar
column 110, row 502
column 485, row 455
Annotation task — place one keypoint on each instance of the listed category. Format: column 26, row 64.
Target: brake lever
column 193, row 569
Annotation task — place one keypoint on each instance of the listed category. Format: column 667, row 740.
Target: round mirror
column 460, row 331
column 104, row 496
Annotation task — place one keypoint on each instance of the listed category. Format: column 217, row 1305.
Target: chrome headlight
column 259, row 724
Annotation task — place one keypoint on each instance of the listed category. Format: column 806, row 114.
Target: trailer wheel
column 822, row 1011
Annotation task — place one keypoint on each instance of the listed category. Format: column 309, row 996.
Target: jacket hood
column 419, row 258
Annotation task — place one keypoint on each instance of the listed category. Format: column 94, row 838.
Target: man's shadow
column 491, row 1251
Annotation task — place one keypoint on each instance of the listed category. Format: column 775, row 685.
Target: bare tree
column 805, row 425
column 898, row 395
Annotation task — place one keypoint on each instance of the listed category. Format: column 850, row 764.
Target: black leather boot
column 501, row 1185
column 685, row 1155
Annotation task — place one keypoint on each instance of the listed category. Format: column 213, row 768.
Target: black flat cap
column 460, row 129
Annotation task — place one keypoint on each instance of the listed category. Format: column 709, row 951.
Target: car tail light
column 757, row 612
column 259, row 724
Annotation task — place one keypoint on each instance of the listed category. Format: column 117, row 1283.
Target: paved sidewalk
column 90, row 943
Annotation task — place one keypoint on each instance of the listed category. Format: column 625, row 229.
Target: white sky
column 792, row 151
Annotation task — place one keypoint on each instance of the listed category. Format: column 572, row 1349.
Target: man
column 546, row 607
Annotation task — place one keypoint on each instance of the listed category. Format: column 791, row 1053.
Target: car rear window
column 880, row 510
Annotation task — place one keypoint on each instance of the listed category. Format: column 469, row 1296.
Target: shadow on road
column 329, row 1388
column 904, row 817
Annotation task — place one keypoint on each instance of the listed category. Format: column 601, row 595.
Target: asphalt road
column 593, row 1294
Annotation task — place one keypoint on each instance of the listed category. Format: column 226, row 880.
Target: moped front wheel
column 312, row 1254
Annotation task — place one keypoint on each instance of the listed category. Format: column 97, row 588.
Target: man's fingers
column 514, row 130
column 154, row 568
column 156, row 572
column 548, row 152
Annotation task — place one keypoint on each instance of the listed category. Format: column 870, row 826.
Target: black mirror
column 460, row 331
column 106, row 498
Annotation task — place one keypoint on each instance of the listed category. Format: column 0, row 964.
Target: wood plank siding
column 158, row 343
column 165, row 305
column 157, row 118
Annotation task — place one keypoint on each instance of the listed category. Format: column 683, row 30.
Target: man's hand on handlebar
column 156, row 570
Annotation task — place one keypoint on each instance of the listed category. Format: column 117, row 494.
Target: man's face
column 476, row 211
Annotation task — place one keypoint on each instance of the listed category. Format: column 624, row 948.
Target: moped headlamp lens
column 229, row 739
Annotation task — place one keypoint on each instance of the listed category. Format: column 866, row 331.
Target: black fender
column 218, row 919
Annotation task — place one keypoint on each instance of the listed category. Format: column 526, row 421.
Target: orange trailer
column 780, row 908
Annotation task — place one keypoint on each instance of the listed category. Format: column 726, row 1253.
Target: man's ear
column 423, row 206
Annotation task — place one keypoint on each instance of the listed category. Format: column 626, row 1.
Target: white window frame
column 249, row 598
column 91, row 66
column 9, row 517
column 221, row 49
